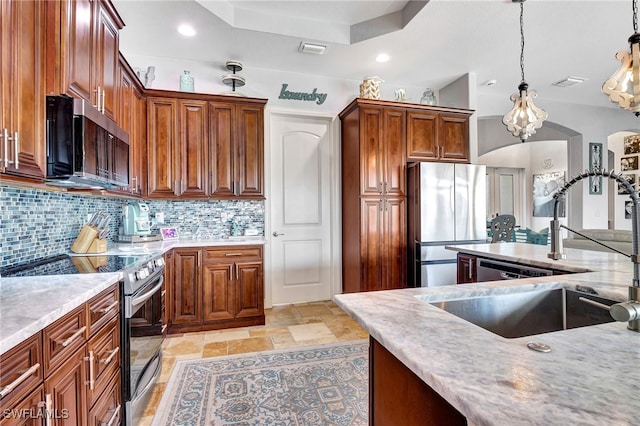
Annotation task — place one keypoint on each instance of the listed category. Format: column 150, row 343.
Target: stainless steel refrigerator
column 446, row 206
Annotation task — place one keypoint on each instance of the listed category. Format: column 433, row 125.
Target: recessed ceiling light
column 383, row 57
column 312, row 48
column 186, row 30
column 569, row 81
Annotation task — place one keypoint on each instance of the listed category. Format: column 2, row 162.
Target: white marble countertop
column 29, row 304
column 590, row 377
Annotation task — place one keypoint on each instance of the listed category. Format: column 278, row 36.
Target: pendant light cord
column 522, row 36
column 635, row 17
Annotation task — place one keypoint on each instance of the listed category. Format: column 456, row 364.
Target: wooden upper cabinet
column 382, row 151
column 250, row 150
column 162, row 147
column 237, row 150
column 177, row 147
column 422, row 134
column 438, row 135
column 22, row 107
column 89, row 52
column 193, row 147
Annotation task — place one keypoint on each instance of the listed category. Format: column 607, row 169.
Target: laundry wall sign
column 313, row 96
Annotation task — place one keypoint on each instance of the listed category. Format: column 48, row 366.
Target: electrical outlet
column 159, row 217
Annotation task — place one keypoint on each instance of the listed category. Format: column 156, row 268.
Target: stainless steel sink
column 530, row 312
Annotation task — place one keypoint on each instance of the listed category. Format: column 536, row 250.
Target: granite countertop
column 590, row 377
column 29, row 304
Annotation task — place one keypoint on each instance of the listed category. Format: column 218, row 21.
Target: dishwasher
column 493, row 270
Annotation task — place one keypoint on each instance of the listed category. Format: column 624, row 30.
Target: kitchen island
column 590, row 376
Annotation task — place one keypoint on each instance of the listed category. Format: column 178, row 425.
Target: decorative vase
column 370, row 88
column 186, row 82
column 428, row 97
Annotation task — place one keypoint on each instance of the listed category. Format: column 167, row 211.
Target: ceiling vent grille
column 569, row 81
column 314, row 49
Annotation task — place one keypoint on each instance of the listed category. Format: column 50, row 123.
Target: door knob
column 275, row 234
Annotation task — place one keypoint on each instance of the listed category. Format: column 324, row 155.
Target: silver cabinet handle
column 74, row 336
column 99, row 93
column 103, row 96
column 276, row 234
column 470, row 270
column 134, row 188
column 24, row 376
column 113, row 418
column 232, row 254
column 16, row 150
column 237, row 273
column 108, row 308
column 90, row 359
column 48, row 406
column 108, row 359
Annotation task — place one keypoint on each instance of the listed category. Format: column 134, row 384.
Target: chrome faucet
column 625, row 311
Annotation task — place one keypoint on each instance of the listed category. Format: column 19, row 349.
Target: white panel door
column 300, row 208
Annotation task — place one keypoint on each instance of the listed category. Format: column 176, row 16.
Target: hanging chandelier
column 623, row 86
column 523, row 120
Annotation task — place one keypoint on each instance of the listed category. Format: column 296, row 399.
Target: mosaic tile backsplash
column 35, row 223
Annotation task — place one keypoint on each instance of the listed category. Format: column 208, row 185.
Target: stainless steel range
column 141, row 315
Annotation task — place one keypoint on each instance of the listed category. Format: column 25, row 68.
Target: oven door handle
column 141, row 299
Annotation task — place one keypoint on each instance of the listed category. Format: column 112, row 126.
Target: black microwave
column 85, row 149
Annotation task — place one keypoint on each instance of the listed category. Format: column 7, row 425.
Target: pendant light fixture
column 623, row 86
column 523, row 120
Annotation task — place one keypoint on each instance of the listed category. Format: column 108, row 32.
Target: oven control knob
column 151, row 266
column 159, row 262
column 139, row 275
column 132, row 277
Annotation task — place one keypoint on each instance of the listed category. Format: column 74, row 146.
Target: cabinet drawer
column 63, row 338
column 107, row 410
column 21, row 370
column 103, row 351
column 102, row 308
column 26, row 411
column 232, row 253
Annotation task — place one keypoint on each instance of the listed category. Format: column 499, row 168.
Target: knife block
column 87, row 241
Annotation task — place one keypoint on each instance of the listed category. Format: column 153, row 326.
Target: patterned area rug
column 316, row 385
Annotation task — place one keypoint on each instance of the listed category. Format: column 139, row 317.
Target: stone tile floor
column 286, row 327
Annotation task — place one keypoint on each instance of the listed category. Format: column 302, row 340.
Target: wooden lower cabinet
column 398, row 397
column 75, row 369
column 467, row 269
column 214, row 288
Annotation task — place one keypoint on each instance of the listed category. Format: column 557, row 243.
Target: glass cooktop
column 65, row 264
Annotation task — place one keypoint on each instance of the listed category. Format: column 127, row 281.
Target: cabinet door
column 249, row 289
column 22, row 109
column 466, row 269
column 217, row 292
column 168, row 285
column 105, row 60
column 422, row 138
column 371, row 162
column 394, row 256
column 162, row 149
column 30, row 404
column 222, row 133
column 249, row 151
column 77, row 28
column 453, row 135
column 193, row 146
column 138, row 144
column 26, row 356
column 393, row 152
column 187, row 284
column 66, row 390
column 371, row 222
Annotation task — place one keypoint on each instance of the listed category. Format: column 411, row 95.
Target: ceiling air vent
column 314, row 49
column 569, row 81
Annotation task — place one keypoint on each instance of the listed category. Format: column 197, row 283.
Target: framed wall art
column 544, row 186
column 595, row 163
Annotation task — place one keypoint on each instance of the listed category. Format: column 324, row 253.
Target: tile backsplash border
column 36, row 223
